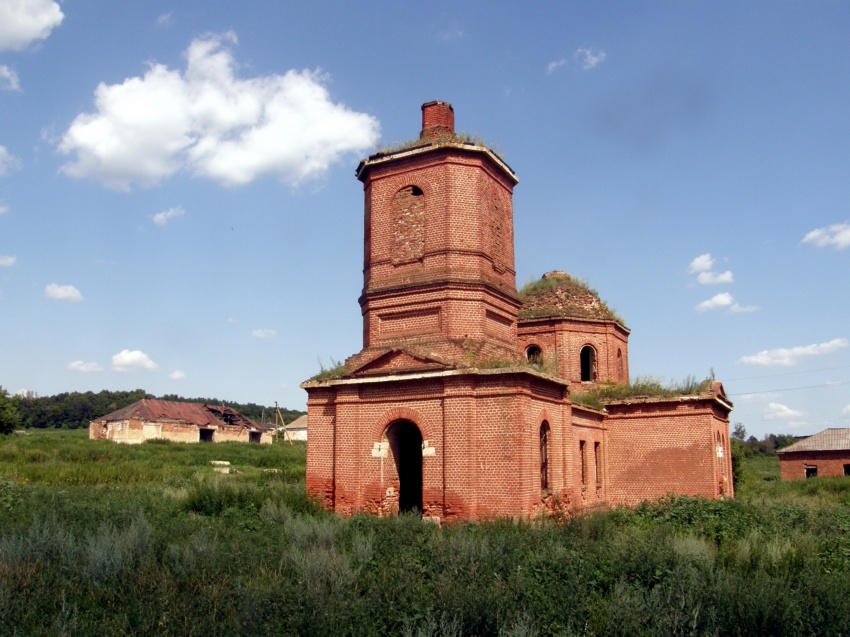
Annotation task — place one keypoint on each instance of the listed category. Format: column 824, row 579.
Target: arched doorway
column 406, row 444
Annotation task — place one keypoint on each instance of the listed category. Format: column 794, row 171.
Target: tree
column 9, row 416
column 739, row 432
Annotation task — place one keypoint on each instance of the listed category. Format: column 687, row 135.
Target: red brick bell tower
column 438, row 250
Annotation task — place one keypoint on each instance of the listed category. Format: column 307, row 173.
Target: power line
column 803, row 371
column 767, row 391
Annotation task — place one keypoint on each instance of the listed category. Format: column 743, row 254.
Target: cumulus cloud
column 702, row 263
column 778, row 411
column 177, row 375
column 724, row 299
column 589, row 58
column 9, row 79
column 715, row 278
column 125, row 361
column 554, row 65
column 80, row 366
column 836, row 235
column 737, row 308
column 4, row 209
column 8, row 163
column 162, row 218
column 7, row 262
column 164, row 19
column 788, row 357
column 264, row 333
column 62, row 293
column 25, row 21
column 208, row 121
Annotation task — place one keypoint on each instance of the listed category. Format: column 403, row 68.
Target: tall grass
column 192, row 552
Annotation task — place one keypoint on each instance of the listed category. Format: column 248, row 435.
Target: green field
column 103, row 539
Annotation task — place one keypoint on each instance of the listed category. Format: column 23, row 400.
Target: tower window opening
column 588, row 363
column 534, row 355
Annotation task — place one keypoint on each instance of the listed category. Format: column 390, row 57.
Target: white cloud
column 214, row 124
column 7, row 262
column 8, row 162
column 787, row 357
column 80, row 366
column 162, row 218
column 4, row 209
column 9, row 79
column 25, row 21
column 715, row 278
column 62, row 293
column 589, row 58
column 177, row 375
column 264, row 333
column 724, row 299
column 778, row 411
column 846, row 410
column 737, row 308
column 703, row 263
column 125, row 361
column 554, row 65
column 836, row 235
column 164, row 19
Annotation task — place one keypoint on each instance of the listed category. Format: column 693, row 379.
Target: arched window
column 544, row 456
column 408, row 225
column 534, row 355
column 588, row 363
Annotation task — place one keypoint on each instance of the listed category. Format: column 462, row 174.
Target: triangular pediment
column 397, row 361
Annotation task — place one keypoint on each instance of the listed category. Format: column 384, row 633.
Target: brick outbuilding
column 824, row 454
column 459, row 405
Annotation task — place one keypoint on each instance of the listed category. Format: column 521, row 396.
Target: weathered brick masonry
column 458, row 406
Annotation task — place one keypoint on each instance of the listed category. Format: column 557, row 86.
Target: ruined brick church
column 460, row 404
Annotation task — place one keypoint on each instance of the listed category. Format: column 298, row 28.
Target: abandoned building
column 463, row 402
column 824, row 454
column 150, row 419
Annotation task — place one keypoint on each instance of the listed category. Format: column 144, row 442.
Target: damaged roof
column 201, row 415
column 833, row 439
column 559, row 294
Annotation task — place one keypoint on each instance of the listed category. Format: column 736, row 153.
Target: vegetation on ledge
column 437, row 140
column 336, row 370
column 643, row 386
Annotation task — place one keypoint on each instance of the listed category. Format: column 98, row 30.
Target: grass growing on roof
column 642, row 386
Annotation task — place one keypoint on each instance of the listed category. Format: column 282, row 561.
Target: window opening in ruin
column 597, row 459
column 847, row 470
column 544, row 456
column 534, row 355
column 254, row 436
column 406, row 444
column 206, row 435
column 416, row 191
column 811, row 471
column 588, row 363
column 581, row 449
column 620, row 365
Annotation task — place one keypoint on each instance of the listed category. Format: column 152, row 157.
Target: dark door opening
column 406, row 443
column 811, row 471
column 206, row 435
column 254, row 436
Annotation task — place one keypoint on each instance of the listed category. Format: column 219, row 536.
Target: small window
column 534, row 355
column 847, row 470
column 206, row 435
column 588, row 363
column 597, row 459
column 255, row 436
column 544, row 456
column 583, row 459
column 811, row 471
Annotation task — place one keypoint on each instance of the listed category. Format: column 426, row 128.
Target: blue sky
column 179, row 212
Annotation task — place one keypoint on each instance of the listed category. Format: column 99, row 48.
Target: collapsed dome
column 557, row 294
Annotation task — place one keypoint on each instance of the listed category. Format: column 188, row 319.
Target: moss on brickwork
column 559, row 294
column 642, row 387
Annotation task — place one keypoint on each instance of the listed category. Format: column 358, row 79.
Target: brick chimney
column 438, row 118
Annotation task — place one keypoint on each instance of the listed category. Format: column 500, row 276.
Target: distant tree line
column 747, row 447
column 74, row 410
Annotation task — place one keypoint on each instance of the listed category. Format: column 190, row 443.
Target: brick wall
column 792, row 464
column 668, row 446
